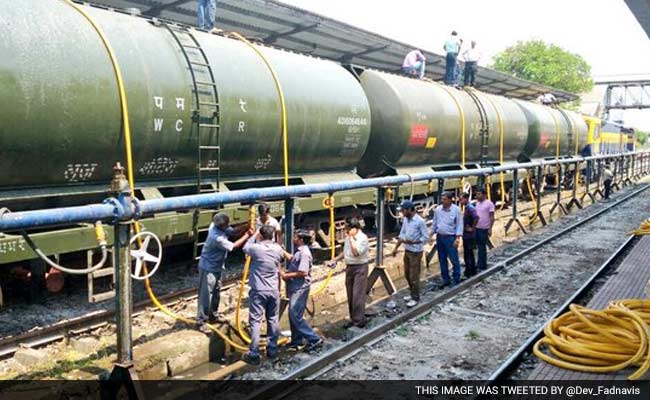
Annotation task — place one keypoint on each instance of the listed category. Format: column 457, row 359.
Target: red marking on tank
column 544, row 140
column 418, row 135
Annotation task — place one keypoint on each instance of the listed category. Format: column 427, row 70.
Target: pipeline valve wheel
column 139, row 246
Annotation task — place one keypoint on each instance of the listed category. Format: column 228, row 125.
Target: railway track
column 464, row 315
column 77, row 326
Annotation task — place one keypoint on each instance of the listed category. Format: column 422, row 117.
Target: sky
column 604, row 32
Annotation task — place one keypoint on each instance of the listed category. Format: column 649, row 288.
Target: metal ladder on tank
column 205, row 122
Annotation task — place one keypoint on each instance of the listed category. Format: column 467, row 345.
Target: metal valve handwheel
column 142, row 255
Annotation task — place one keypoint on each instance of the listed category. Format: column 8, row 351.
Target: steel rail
column 279, row 389
column 59, row 331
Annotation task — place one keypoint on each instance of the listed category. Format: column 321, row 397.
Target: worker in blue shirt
column 452, row 48
column 448, row 228
column 264, row 296
column 414, row 236
column 298, row 279
column 211, row 264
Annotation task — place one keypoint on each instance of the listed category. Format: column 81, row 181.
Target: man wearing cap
column 448, row 228
column 413, row 235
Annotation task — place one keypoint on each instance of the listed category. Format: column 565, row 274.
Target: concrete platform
column 628, row 281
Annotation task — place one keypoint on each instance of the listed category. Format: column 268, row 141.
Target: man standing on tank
column 206, row 14
column 211, row 264
column 470, row 219
column 452, row 47
column 485, row 210
column 264, row 296
column 471, row 56
column 413, row 235
column 448, row 228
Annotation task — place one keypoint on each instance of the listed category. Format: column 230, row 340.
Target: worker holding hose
column 298, row 279
column 264, row 296
column 211, row 264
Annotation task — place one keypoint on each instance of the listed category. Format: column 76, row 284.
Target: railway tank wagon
column 205, row 115
column 62, row 132
column 418, row 124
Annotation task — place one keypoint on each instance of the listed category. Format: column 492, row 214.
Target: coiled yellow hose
column 599, row 341
column 644, row 229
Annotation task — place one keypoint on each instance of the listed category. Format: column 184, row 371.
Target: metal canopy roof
column 291, row 28
column 641, row 10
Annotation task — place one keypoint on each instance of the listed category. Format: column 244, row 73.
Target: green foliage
column 642, row 137
column 546, row 64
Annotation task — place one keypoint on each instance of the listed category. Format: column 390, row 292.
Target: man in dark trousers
column 608, row 175
column 264, row 296
column 211, row 264
column 355, row 255
column 448, row 229
column 414, row 236
column 470, row 219
column 485, row 210
column 298, row 279
column 452, row 48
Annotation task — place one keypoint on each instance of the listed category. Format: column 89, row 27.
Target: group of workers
column 415, row 62
column 449, row 226
column 267, row 258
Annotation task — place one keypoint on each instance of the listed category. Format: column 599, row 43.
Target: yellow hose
column 283, row 107
column 599, row 341
column 330, row 205
column 244, row 277
column 130, row 168
column 532, row 197
column 644, row 229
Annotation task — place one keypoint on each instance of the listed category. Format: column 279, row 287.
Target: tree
column 641, row 137
column 546, row 64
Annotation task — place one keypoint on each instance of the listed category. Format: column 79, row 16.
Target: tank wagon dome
column 61, row 110
column 418, row 123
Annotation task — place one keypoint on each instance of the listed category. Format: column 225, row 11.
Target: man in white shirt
column 265, row 218
column 414, row 63
column 471, row 57
column 355, row 255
